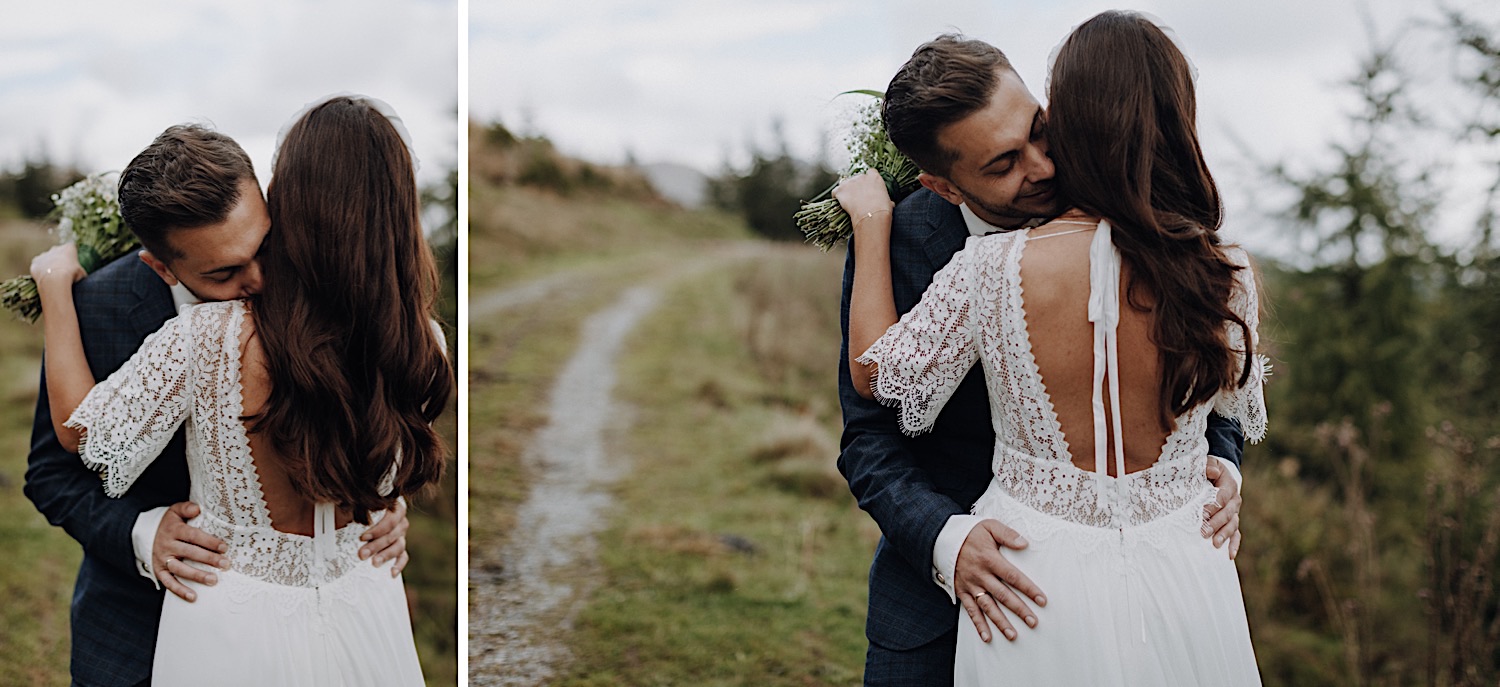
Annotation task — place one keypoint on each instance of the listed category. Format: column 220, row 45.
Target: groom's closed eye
column 1005, row 162
column 222, row 274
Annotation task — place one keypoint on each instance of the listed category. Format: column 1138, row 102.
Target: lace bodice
column 189, row 371
column 973, row 312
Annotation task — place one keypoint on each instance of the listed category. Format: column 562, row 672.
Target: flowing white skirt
column 1151, row 605
column 354, row 631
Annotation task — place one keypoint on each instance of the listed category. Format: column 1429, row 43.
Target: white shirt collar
column 979, row 227
column 182, row 298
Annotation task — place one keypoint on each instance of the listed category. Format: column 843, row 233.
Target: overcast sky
column 695, row 81
column 92, row 83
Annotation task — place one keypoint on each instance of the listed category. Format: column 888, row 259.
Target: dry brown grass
column 522, row 227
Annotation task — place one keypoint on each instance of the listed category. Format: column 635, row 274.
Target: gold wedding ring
column 979, row 594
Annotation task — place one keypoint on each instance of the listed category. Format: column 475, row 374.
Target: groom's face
column 1002, row 171
column 220, row 262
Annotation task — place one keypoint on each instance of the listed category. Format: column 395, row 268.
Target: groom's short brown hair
column 946, row 80
column 189, row 177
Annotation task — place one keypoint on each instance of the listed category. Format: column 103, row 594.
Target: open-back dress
column 1135, row 594
column 293, row 609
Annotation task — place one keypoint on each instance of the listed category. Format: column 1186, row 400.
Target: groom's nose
column 1039, row 166
column 252, row 279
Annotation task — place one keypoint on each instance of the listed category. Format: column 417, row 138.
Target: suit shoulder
column 121, row 275
column 921, row 214
column 125, row 295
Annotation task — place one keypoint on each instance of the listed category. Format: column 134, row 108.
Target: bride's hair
column 1122, row 132
column 345, row 315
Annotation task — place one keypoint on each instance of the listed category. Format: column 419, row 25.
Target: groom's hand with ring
column 388, row 539
column 176, row 541
column 985, row 580
column 1221, row 519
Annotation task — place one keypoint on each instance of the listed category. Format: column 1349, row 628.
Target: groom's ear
column 159, row 267
column 942, row 187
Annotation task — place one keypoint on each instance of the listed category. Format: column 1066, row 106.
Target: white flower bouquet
column 821, row 219
column 87, row 214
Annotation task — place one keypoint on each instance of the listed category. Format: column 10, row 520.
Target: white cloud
column 93, row 82
column 693, row 81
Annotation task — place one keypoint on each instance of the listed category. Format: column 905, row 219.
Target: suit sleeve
column 1225, row 438
column 883, row 473
column 69, row 495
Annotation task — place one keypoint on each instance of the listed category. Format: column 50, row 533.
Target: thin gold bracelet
column 868, row 215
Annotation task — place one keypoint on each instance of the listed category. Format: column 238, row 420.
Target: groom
column 958, row 109
column 192, row 199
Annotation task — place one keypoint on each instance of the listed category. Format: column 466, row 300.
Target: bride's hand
column 864, row 196
column 58, row 267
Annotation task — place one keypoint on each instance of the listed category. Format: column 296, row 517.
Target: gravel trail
column 517, row 617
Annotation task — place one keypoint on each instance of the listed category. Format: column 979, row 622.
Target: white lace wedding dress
column 293, row 610
column 1135, row 594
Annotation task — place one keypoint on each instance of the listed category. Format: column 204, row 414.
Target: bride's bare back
column 290, row 512
column 1055, row 285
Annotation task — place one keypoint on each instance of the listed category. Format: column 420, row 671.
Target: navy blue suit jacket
column 115, row 610
column 910, row 486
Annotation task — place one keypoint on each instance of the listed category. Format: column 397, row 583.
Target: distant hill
column 531, row 206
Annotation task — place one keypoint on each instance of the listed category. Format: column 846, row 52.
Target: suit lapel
column 153, row 302
column 948, row 233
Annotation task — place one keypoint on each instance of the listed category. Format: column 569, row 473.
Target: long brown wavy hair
column 345, row 316
column 1123, row 136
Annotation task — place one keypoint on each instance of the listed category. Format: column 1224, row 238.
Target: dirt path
column 496, row 302
column 518, row 617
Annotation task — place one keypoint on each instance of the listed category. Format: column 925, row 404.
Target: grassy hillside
column 36, row 577
column 733, row 519
column 737, row 555
column 533, row 211
column 583, row 230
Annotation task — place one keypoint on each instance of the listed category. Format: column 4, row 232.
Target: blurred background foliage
column 1372, row 512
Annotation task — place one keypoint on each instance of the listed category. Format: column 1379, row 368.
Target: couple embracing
column 256, row 395
column 1065, row 512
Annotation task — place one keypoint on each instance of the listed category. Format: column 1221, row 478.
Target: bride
column 1134, row 323
column 308, row 412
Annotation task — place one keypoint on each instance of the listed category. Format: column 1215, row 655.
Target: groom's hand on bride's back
column 176, row 541
column 985, row 580
column 387, row 539
column 1221, row 519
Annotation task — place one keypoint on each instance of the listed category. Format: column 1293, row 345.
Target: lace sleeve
column 921, row 359
column 1246, row 404
column 128, row 419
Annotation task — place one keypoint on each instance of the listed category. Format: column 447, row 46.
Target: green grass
column 735, row 555
column 36, row 574
column 41, row 561
column 431, row 576
column 602, row 243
